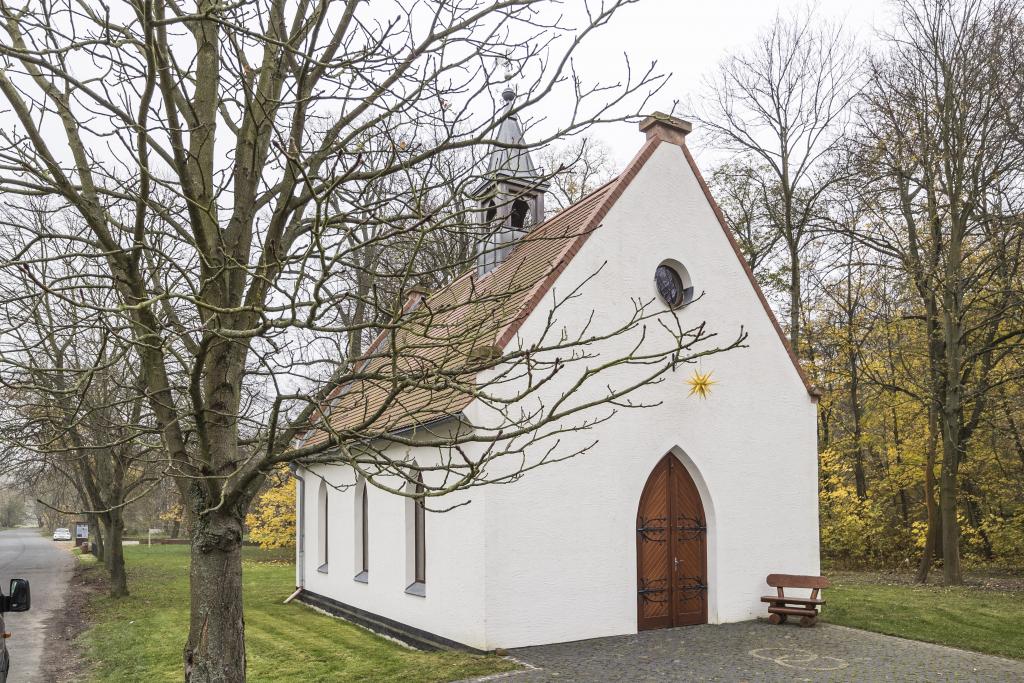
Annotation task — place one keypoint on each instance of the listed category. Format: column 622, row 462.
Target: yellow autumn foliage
column 272, row 520
column 172, row 514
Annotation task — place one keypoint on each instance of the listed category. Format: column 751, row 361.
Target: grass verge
column 990, row 621
column 140, row 638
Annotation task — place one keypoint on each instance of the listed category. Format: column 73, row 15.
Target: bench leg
column 777, row 619
column 807, row 622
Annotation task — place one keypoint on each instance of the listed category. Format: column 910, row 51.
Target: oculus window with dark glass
column 672, row 286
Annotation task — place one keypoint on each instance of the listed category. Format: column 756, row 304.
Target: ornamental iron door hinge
column 696, row 583
column 645, row 593
column 649, row 526
column 691, row 525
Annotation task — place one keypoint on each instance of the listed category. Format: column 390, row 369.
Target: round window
column 673, row 285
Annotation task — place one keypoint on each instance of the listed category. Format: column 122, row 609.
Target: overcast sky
column 688, row 38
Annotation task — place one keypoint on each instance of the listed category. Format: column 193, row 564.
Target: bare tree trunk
column 951, row 415
column 1018, row 441
column 904, row 506
column 974, row 515
column 96, row 523
column 826, row 429
column 115, row 556
column 948, row 494
column 184, row 525
column 858, row 449
column 215, row 652
column 948, row 490
column 932, row 535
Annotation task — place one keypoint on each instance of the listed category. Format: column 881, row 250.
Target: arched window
column 322, row 523
column 420, row 534
column 362, row 533
column 365, row 531
column 521, row 217
column 489, row 244
column 416, row 538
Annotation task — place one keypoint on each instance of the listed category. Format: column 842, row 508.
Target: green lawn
column 972, row 618
column 141, row 637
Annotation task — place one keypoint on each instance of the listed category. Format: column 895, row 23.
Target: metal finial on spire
column 509, row 93
column 509, row 157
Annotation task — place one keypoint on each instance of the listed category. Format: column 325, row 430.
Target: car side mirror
column 20, row 597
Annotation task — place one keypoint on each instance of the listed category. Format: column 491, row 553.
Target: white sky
column 689, row 37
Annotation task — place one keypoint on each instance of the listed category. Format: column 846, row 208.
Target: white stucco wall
column 453, row 605
column 552, row 557
column 561, row 552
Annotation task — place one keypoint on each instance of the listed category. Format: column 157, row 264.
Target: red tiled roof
column 437, row 339
column 435, row 344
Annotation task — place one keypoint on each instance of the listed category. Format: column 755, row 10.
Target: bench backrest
column 796, row 581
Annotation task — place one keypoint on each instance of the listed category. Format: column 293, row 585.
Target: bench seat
column 801, row 601
column 782, row 606
column 800, row 611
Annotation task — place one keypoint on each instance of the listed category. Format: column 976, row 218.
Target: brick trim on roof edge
column 602, row 209
column 574, row 246
column 358, row 364
column 811, row 389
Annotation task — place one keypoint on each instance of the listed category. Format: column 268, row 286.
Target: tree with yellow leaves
column 272, row 519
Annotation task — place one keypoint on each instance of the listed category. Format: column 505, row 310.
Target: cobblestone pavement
column 758, row 651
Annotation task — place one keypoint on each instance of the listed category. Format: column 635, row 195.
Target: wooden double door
column 671, row 549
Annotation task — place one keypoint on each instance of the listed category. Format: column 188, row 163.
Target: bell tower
column 510, row 196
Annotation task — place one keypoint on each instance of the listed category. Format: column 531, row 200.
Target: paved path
column 24, row 554
column 758, row 651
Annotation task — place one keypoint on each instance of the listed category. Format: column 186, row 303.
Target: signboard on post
column 81, row 530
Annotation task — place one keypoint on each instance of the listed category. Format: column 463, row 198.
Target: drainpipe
column 302, row 531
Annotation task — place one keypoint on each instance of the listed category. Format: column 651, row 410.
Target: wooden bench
column 781, row 606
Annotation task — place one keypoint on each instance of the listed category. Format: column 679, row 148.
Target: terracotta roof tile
column 423, row 371
column 438, row 340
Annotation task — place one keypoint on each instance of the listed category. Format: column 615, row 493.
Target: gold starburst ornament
column 701, row 383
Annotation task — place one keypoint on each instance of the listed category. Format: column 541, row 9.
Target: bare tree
column 847, row 286
column 221, row 165
column 744, row 192
column 577, row 168
column 785, row 103
column 942, row 159
column 12, row 506
column 74, row 403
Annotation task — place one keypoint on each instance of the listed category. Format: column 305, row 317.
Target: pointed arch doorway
column 671, row 550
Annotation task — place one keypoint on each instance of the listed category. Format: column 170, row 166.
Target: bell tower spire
column 511, row 194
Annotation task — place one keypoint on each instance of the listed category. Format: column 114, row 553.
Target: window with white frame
column 362, row 532
column 322, row 524
column 416, row 539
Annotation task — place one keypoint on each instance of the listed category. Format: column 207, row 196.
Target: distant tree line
column 878, row 195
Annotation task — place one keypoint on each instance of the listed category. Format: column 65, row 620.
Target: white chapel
column 679, row 510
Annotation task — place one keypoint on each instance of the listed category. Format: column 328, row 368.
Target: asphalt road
column 24, row 554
